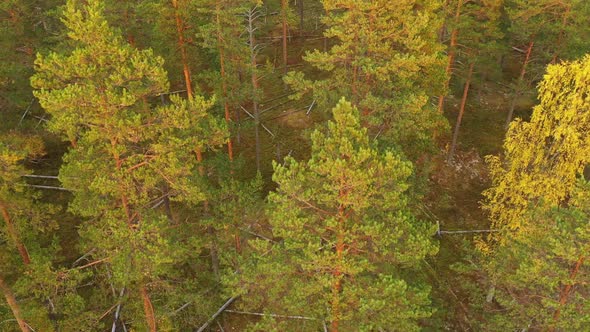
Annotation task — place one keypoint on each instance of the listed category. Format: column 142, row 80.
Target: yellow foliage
column 544, row 157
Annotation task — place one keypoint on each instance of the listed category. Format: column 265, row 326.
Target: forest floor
column 456, row 194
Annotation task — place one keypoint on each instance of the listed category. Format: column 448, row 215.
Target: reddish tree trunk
column 451, row 60
column 461, row 112
column 12, row 232
column 337, row 273
column 565, row 292
column 182, row 46
column 230, row 149
column 13, row 305
column 148, row 309
column 147, row 303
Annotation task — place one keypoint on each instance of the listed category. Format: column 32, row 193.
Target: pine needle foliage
column 344, row 235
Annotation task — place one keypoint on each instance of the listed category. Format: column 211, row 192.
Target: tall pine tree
column 346, row 241
column 387, row 61
column 124, row 153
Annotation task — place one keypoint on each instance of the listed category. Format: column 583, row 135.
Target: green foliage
column 386, row 60
column 478, row 30
column 13, row 58
column 102, row 77
column 235, row 216
column 531, row 270
column 26, row 213
column 29, row 230
column 158, row 216
column 345, row 236
column 98, row 98
column 223, row 35
column 24, row 28
column 557, row 27
column 14, row 150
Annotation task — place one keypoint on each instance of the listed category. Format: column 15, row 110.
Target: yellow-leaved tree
column 539, row 203
column 544, row 157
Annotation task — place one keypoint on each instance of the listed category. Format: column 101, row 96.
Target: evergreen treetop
column 346, row 236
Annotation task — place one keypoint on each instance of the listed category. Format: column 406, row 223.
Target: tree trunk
column 337, row 285
column 252, row 15
column 337, row 273
column 12, row 232
column 210, row 230
column 451, row 57
column 124, row 199
column 13, row 305
column 230, row 149
column 300, row 3
column 130, row 37
column 461, row 112
column 565, row 292
column 443, row 28
column 147, row 303
column 188, row 83
column 559, row 42
column 148, row 309
column 519, row 83
column 182, row 47
column 284, row 18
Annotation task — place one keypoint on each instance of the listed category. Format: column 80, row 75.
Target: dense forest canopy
column 294, row 165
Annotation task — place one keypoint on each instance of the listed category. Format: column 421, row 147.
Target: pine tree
column 14, row 198
column 222, row 35
column 543, row 31
column 476, row 33
column 168, row 28
column 454, row 18
column 251, row 16
column 387, row 62
column 345, row 237
column 286, row 25
column 14, row 306
column 124, row 153
column 18, row 214
column 231, row 34
column 31, row 259
column 25, row 26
